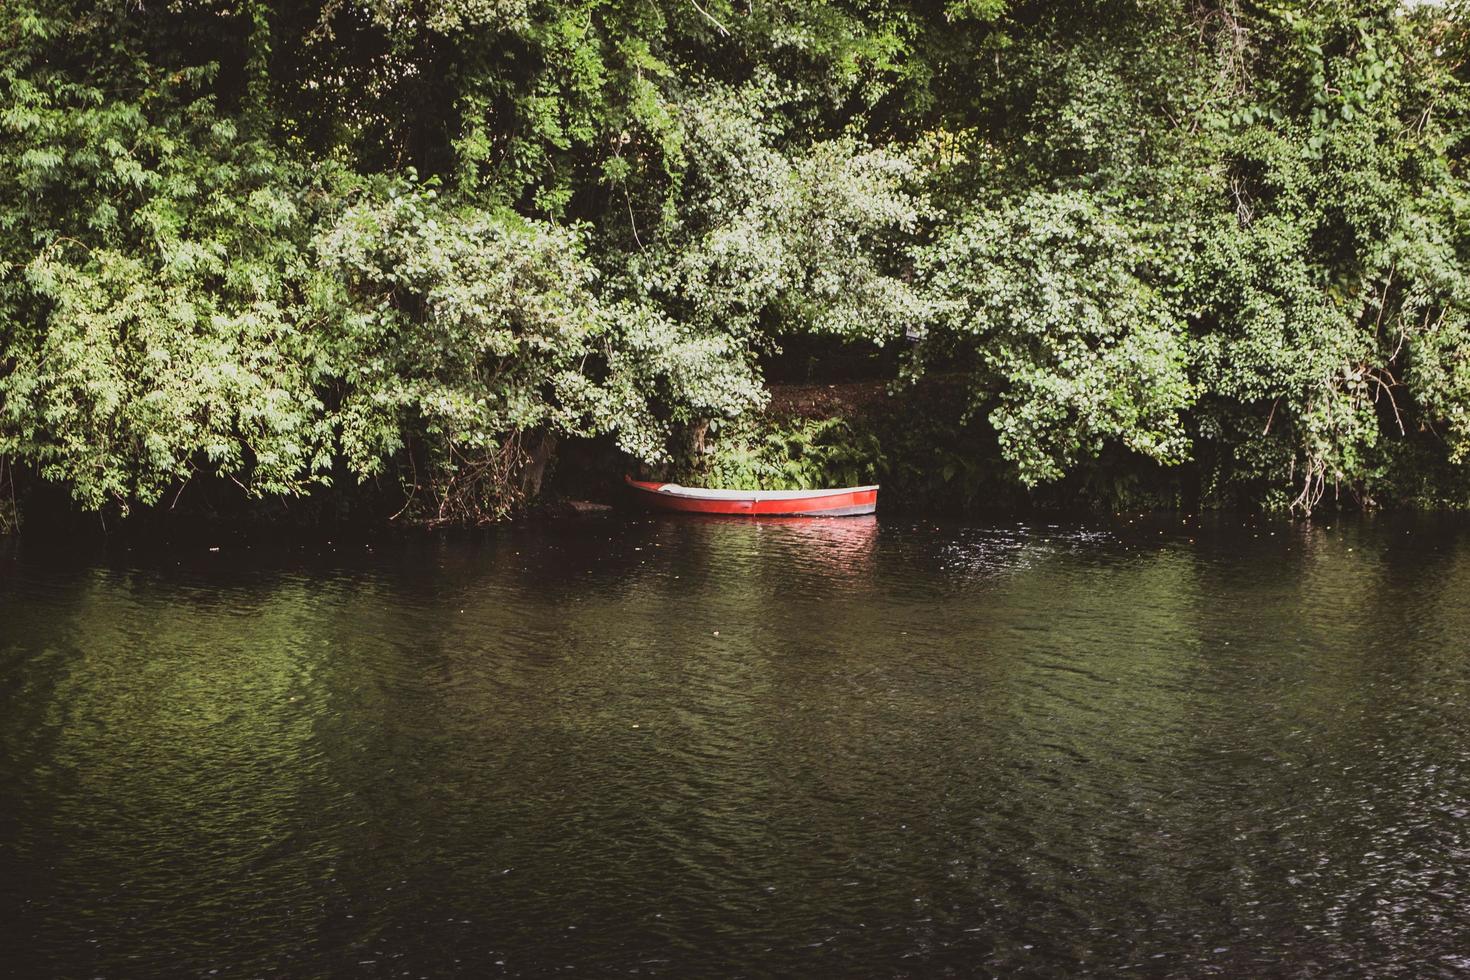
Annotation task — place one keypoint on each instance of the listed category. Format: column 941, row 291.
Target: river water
column 705, row 747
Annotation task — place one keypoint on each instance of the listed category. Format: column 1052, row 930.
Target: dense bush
column 791, row 454
column 420, row 242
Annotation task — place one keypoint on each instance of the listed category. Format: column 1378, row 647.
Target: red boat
column 845, row 502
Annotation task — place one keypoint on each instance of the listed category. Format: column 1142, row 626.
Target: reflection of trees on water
column 759, row 727
column 1312, row 634
column 173, row 750
column 672, row 627
column 838, row 678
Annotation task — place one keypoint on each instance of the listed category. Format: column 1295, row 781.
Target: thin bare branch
column 710, row 17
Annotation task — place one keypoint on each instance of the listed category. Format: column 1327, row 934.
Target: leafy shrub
column 798, row 454
column 457, row 334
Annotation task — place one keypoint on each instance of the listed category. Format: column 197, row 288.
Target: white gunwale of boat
column 702, row 493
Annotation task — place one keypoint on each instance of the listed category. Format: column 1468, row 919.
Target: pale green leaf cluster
column 470, row 327
column 776, row 241
column 148, row 318
column 1051, row 298
column 138, row 382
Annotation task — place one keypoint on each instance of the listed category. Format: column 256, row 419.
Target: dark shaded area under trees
column 422, row 260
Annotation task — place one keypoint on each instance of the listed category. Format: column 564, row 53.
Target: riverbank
column 916, row 440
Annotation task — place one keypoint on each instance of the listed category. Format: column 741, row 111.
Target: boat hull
column 844, row 502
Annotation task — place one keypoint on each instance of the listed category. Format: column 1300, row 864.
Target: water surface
column 715, row 747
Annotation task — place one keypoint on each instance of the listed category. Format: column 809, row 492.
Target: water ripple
column 736, row 748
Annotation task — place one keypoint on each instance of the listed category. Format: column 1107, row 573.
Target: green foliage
column 1264, row 249
column 1073, row 348
column 1330, row 291
column 1146, row 234
column 148, row 317
column 139, row 380
column 464, row 329
column 797, row 454
column 779, row 241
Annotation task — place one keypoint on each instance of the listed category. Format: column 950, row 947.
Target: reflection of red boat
column 769, row 503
